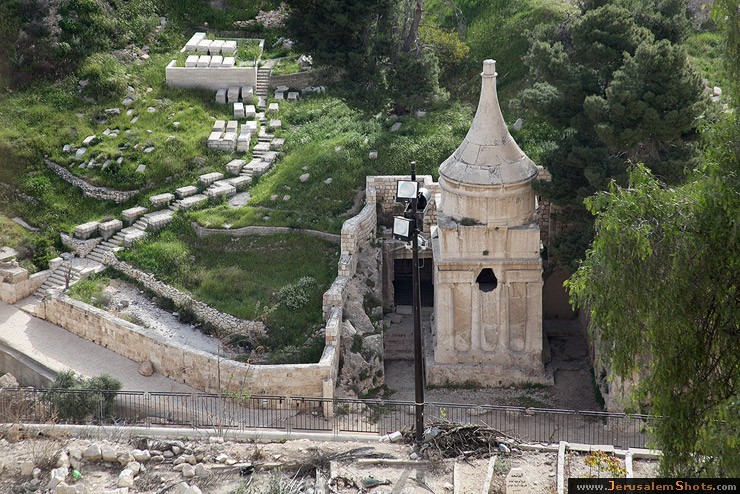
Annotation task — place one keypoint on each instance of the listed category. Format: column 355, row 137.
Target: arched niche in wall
column 486, row 280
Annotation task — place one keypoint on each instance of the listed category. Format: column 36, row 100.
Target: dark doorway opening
column 402, row 282
column 486, row 280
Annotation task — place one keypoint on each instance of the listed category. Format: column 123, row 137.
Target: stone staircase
column 398, row 342
column 263, row 81
column 60, row 279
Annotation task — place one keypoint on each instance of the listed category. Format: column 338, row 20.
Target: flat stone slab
column 191, row 61
column 270, row 157
column 250, row 111
column 187, row 191
column 293, row 95
column 221, row 96
column 228, row 62
column 204, row 45
column 162, row 199
column 262, row 147
column 275, row 123
column 232, row 126
column 232, row 94
column 277, row 143
column 132, row 214
column 235, row 166
column 240, row 199
column 273, row 108
column 191, row 201
column 395, row 127
column 86, row 230
column 239, row 110
column 219, row 126
column 209, row 178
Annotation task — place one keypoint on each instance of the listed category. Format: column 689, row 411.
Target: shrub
column 76, row 398
column 296, row 295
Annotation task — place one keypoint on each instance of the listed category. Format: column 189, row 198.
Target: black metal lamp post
column 408, row 228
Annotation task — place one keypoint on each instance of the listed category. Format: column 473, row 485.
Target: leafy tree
column 620, row 90
column 374, row 44
column 660, row 282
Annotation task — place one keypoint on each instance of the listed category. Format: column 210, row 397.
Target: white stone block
column 89, row 141
column 229, row 47
column 251, row 126
column 132, row 214
column 160, row 200
column 219, row 126
column 204, row 45
column 221, row 96
column 221, row 190
column 262, row 147
column 270, row 157
column 279, row 95
column 238, row 110
column 228, row 62
column 192, row 44
column 204, row 61
column 216, row 61
column 277, row 143
column 293, row 96
column 86, row 230
column 275, row 123
column 215, row 48
column 250, row 111
column 192, row 61
column 235, row 166
column 187, row 191
column 232, row 126
column 209, row 178
column 247, row 92
column 273, row 108
column 232, row 95
column 108, row 228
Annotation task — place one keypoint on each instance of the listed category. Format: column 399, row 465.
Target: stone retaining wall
column 188, row 365
column 262, row 230
column 100, row 193
column 209, row 77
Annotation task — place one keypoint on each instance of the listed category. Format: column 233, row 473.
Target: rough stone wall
column 81, row 247
column 187, row 365
column 99, row 193
column 204, row 312
column 210, row 77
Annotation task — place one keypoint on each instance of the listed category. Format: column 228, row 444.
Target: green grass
column 91, row 290
column 244, row 277
column 327, row 139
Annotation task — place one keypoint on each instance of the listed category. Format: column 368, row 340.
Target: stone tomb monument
column 487, row 267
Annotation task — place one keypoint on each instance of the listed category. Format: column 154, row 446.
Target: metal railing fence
column 340, row 415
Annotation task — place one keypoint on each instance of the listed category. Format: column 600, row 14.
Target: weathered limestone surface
column 487, row 268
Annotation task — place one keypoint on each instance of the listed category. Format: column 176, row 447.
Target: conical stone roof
column 488, row 155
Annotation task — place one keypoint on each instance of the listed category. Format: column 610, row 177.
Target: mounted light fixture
column 403, row 228
column 406, row 190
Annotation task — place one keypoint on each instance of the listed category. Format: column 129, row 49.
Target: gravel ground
column 127, row 301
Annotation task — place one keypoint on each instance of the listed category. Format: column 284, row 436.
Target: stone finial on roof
column 488, row 155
